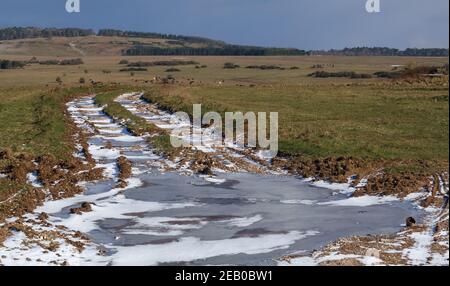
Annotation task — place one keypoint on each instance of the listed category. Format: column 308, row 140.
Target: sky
column 304, row 24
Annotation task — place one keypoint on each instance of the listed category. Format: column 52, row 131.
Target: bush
column 6, row 64
column 172, row 70
column 71, row 62
column 413, row 71
column 67, row 62
column 230, row 66
column 133, row 69
column 123, row 62
column 347, row 74
column 82, row 80
column 49, row 62
column 265, row 67
column 162, row 63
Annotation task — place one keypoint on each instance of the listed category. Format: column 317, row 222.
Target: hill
column 109, row 42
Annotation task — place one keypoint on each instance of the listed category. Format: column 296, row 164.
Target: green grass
column 370, row 121
column 33, row 121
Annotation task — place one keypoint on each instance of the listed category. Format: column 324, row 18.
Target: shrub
column 162, row 63
column 49, row 62
column 62, row 62
column 6, row 64
column 172, row 70
column 71, row 62
column 230, row 66
column 347, row 74
column 265, row 67
column 133, row 69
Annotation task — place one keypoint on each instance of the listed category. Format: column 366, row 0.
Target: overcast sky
column 305, row 24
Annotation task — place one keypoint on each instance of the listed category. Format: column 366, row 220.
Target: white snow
column 122, row 138
column 99, row 153
column 343, row 188
column 192, row 248
column 420, row 252
column 33, row 180
column 299, row 202
column 244, row 221
column 363, row 201
column 214, row 180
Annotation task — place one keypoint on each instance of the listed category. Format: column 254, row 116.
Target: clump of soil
column 16, row 166
column 43, row 216
column 410, row 221
column 6, row 154
column 49, row 171
column 91, row 175
column 4, row 233
column 202, row 164
column 46, row 239
column 331, row 168
column 65, row 189
column 125, row 171
column 393, row 184
column 84, row 208
column 20, row 169
column 22, row 202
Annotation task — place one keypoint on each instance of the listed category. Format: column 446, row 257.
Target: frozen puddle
column 235, row 218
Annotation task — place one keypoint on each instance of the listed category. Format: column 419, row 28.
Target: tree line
column 384, row 51
column 150, row 35
column 14, row 33
column 226, row 50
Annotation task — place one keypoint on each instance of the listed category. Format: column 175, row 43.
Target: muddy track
column 127, row 163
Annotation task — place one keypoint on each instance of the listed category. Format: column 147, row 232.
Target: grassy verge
column 35, row 127
column 33, row 121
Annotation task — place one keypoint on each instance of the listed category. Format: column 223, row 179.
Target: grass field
column 370, row 118
column 32, row 121
column 321, row 120
column 94, row 68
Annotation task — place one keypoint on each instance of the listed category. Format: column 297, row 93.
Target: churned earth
column 216, row 206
